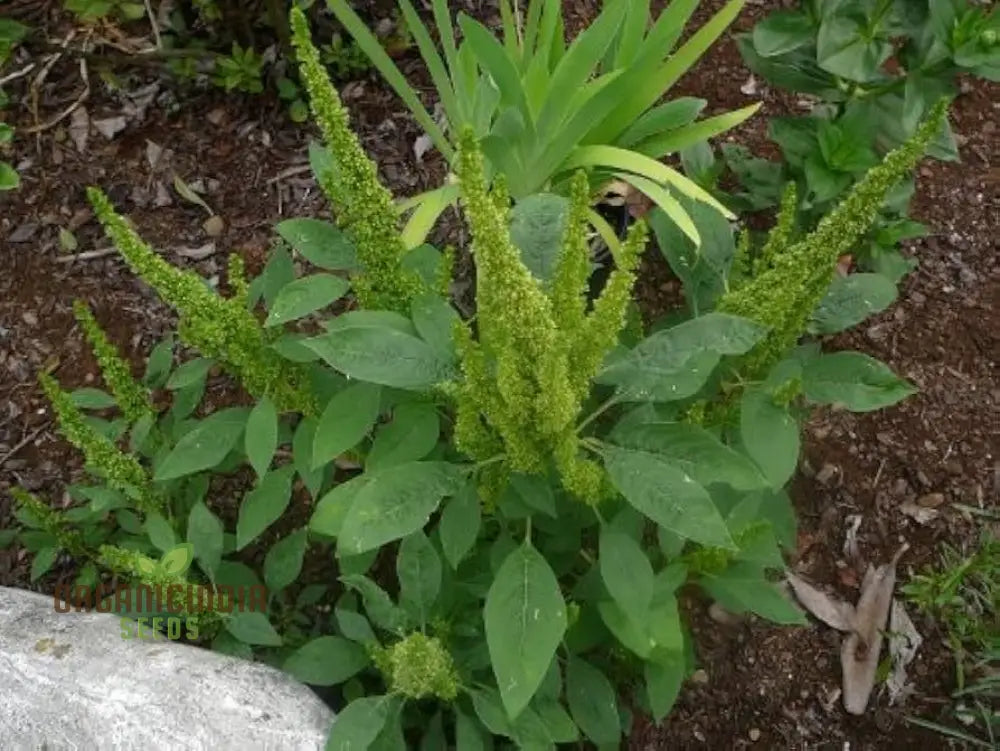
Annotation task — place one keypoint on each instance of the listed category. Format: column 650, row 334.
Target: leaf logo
column 174, row 562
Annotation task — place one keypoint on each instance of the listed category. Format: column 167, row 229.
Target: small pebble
column 699, row 676
column 29, row 318
column 826, row 474
column 931, row 500
column 754, row 734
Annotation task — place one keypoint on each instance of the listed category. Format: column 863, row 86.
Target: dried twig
column 38, row 128
column 154, row 24
column 28, row 439
column 18, row 73
column 87, row 255
column 298, row 169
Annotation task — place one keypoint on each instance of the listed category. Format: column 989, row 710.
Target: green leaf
column 742, row 587
column 205, row 532
column 850, row 300
column 559, row 726
column 326, row 661
column 9, row 179
column 354, row 626
column 189, row 373
column 320, row 242
column 592, row 701
column 177, row 559
column 694, row 450
column 664, row 675
column 261, row 436
column 347, row 419
column 412, row 435
column 379, row 607
column 435, row 319
column 396, row 502
column 90, row 398
column 783, row 32
column 845, row 48
column 535, row 491
column 383, row 355
column 253, row 627
column 459, row 525
column 278, row 273
column 770, row 435
column 159, row 363
column 160, row 533
column 632, row 634
column 626, row 572
column 304, row 296
column 675, row 363
column 302, row 456
column 537, row 223
column 857, row 381
column 419, row 571
column 43, row 561
column 205, row 446
column 525, row 618
column 358, row 725
column 667, row 495
column 328, row 518
column 284, row 560
column 263, row 505
column 468, row 736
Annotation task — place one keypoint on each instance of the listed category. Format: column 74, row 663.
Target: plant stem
column 612, row 401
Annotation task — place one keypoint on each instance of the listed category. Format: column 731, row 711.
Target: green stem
column 615, row 399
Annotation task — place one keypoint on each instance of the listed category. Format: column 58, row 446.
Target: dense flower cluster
column 132, row 398
column 50, row 521
column 529, row 368
column 784, row 295
column 122, row 471
column 418, row 667
column 362, row 206
column 219, row 328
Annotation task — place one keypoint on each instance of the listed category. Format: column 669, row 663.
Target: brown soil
column 760, row 686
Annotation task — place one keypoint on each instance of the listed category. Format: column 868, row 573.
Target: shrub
column 544, row 482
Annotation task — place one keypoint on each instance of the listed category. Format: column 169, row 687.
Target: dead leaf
column 153, row 153
column 834, row 612
column 109, row 127
column 859, row 653
column 79, row 128
column 188, row 194
column 421, row 146
column 197, row 254
column 67, row 240
column 750, row 87
column 162, row 196
column 920, row 514
column 851, row 551
column 904, row 641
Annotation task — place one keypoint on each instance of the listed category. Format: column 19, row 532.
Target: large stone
column 70, row 681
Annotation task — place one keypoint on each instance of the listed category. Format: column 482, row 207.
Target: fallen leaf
column 834, row 612
column 859, row 653
column 421, row 146
column 904, row 641
column 109, row 127
column 188, row 194
column 197, row 254
column 851, row 551
column 79, row 128
column 920, row 514
column 153, row 153
column 750, row 87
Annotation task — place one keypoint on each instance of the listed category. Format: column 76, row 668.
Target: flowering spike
column 780, row 236
column 51, row 521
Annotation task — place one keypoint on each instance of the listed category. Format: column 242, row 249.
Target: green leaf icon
column 147, row 566
column 177, row 560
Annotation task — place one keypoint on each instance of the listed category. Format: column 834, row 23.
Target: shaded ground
column 761, row 686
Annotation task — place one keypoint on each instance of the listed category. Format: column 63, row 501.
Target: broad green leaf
column 9, row 180
column 278, row 273
column 559, row 726
column 189, row 373
column 783, row 31
column 359, row 723
column 435, row 319
column 396, row 502
column 525, row 618
column 633, row 635
column 459, row 525
column 384, row 356
column 328, row 518
column 205, row 532
column 537, row 224
column 205, row 446
column 742, row 587
column 536, row 492
column 347, row 419
column 674, row 363
column 592, row 702
column 304, row 296
column 375, row 319
column 626, row 572
column 326, row 661
column 379, row 607
column 90, row 398
column 411, row 435
column 302, row 456
column 261, row 436
column 694, row 450
column 283, row 561
column 846, row 48
column 263, row 505
column 850, row 300
column 44, row 559
column 468, row 736
column 253, row 627
column 322, row 243
column 419, row 571
column 770, row 435
column 354, row 626
column 667, row 495
column 160, row 533
column 664, row 674
column 857, row 381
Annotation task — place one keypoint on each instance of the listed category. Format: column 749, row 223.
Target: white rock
column 70, row 681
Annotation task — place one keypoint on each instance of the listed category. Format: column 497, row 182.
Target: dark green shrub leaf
column 667, row 495
column 395, row 503
column 205, row 446
column 525, row 618
column 321, row 243
column 632, row 634
column 536, row 493
column 383, row 355
column 850, row 300
column 284, row 560
column 468, row 736
column 559, row 726
column 592, row 702
column 236, row 574
column 845, row 48
column 354, row 626
column 412, row 435
column 90, row 398
column 434, row 319
column 328, row 518
column 261, row 437
column 304, row 296
column 205, row 531
column 263, row 505
column 537, row 223
column 770, row 435
column 278, row 273
column 379, row 607
column 376, row 319
column 348, row 417
column 160, row 533
column 627, row 573
column 664, row 674
column 326, row 661
column 43, row 561
column 782, row 32
column 859, row 382
column 419, row 571
column 189, row 373
column 253, row 627
column 693, row 450
column 459, row 525
column 742, row 587
column 302, row 456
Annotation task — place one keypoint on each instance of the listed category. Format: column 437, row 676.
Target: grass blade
column 670, row 205
column 494, row 59
column 605, row 231
column 430, row 208
column 435, row 65
column 675, row 140
column 632, row 32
